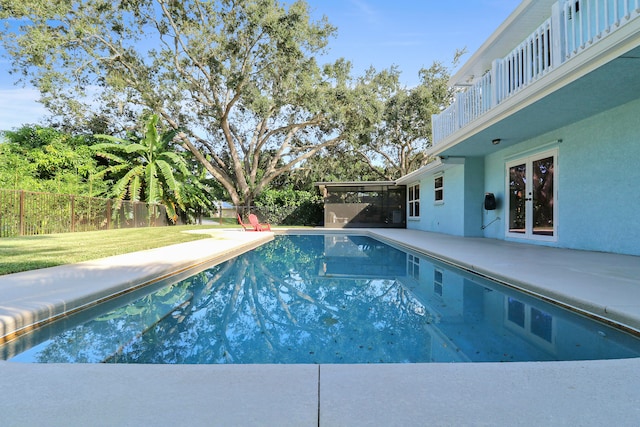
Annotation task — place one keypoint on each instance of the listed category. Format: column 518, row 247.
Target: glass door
column 517, row 198
column 532, row 191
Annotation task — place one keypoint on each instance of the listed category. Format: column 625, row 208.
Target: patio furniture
column 253, row 219
column 245, row 226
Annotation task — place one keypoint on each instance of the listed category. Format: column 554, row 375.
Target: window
column 515, row 311
column 438, row 188
column 542, row 324
column 413, row 267
column 414, row 201
column 437, row 282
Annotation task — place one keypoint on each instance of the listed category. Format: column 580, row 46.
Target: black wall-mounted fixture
column 496, row 141
column 489, row 201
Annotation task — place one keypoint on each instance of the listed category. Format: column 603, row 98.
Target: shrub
column 290, row 207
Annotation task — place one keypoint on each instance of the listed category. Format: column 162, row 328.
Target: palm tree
column 150, row 166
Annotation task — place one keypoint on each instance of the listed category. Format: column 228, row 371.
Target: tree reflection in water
column 270, row 306
column 324, row 299
column 266, row 306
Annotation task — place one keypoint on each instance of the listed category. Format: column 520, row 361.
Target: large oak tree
column 402, row 132
column 239, row 78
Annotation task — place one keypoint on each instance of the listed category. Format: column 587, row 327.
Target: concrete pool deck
column 537, row 393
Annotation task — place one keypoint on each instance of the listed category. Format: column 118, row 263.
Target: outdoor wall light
column 496, row 141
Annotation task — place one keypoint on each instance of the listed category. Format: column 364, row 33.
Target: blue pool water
column 324, row 299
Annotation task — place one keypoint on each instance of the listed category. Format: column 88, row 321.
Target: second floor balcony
column 571, row 28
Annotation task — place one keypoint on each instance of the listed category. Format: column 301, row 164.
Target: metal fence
column 26, row 213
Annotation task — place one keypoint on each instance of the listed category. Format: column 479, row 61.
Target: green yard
column 33, row 252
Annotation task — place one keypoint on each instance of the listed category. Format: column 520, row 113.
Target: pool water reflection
column 325, row 299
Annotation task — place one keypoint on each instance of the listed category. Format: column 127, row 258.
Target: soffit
column 613, row 84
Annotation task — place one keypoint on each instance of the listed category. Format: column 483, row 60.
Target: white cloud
column 365, row 10
column 19, row 107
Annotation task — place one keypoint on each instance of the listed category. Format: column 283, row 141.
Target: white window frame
column 412, row 202
column 438, row 189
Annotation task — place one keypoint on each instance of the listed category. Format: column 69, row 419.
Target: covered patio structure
column 374, row 204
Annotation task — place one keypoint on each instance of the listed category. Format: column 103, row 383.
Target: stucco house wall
column 545, row 118
column 460, row 212
column 602, row 158
column 598, row 182
column 442, row 217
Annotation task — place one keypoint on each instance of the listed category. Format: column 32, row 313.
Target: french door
column 532, row 197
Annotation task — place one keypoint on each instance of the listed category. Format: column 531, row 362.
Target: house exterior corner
column 549, row 134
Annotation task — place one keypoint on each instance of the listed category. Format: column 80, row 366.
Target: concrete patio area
column 542, row 393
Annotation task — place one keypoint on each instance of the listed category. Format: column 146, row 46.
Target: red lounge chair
column 246, row 227
column 256, row 224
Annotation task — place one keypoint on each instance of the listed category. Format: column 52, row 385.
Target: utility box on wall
column 489, row 202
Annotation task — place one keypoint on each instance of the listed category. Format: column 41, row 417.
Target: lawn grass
column 33, row 252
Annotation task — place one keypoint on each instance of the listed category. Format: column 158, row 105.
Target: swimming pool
column 326, row 299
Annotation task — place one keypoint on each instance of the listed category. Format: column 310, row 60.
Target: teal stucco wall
column 473, row 196
column 600, row 182
column 441, row 217
column 598, row 172
column 460, row 213
column 598, row 186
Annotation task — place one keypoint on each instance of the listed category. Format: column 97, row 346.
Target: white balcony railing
column 573, row 26
column 587, row 21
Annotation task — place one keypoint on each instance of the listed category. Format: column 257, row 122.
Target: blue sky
column 410, row 34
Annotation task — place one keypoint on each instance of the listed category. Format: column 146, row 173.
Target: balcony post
column 557, row 35
column 435, row 132
column 459, row 111
column 495, row 83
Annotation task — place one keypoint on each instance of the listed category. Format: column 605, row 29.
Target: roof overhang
column 359, row 185
column 354, row 184
column 603, row 77
column 438, row 165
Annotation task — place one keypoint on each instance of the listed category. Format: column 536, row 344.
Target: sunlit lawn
column 33, row 252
